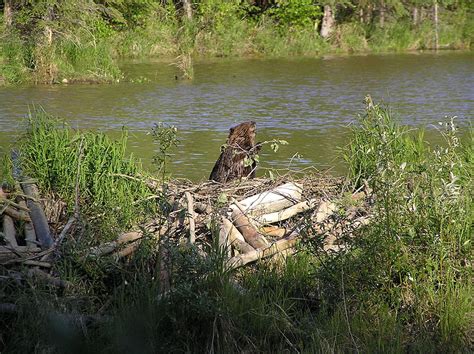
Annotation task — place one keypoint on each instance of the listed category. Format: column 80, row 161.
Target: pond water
column 309, row 102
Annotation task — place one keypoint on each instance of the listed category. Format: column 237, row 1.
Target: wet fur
column 240, row 144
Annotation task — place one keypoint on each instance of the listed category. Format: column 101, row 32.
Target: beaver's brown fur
column 240, row 144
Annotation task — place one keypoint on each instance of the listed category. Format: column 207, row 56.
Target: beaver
column 239, row 148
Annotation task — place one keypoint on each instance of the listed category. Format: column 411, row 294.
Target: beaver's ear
column 231, row 130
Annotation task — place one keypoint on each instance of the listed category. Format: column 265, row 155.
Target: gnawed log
column 9, row 231
column 248, row 231
column 273, row 200
column 274, row 248
column 37, row 216
column 286, row 213
column 234, row 238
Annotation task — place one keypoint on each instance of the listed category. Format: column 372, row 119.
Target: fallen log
column 37, row 216
column 248, row 231
column 273, row 200
column 286, row 213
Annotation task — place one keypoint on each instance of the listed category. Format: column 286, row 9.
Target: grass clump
column 88, row 166
column 411, row 262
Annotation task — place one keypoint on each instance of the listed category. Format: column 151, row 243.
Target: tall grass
column 412, row 259
column 65, row 161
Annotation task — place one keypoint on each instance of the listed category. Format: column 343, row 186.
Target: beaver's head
column 244, row 133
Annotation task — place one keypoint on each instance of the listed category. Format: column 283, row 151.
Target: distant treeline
column 50, row 41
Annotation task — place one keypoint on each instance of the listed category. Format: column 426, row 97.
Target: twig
column 192, row 224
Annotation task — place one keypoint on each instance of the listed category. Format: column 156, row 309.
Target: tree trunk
column 436, row 24
column 188, row 9
column 415, row 15
column 327, row 25
column 382, row 14
column 7, row 13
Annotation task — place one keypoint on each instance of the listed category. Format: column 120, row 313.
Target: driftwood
column 237, row 156
column 37, row 216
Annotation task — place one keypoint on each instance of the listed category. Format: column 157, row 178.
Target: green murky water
column 308, row 102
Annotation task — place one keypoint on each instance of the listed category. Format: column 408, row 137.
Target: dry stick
column 242, row 222
column 9, row 231
column 192, row 224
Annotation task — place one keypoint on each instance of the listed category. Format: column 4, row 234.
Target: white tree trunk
column 188, row 9
column 415, row 15
column 7, row 13
column 436, row 24
column 327, row 25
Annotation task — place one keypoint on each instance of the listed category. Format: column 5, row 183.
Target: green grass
column 60, row 159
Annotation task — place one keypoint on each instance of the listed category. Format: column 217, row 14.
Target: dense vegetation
column 405, row 283
column 54, row 41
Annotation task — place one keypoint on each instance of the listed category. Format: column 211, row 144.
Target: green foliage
column 412, row 257
column 66, row 162
column 165, row 138
column 296, row 13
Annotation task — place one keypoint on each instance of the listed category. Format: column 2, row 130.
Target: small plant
column 165, row 138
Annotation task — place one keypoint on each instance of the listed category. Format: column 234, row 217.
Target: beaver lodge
column 249, row 218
